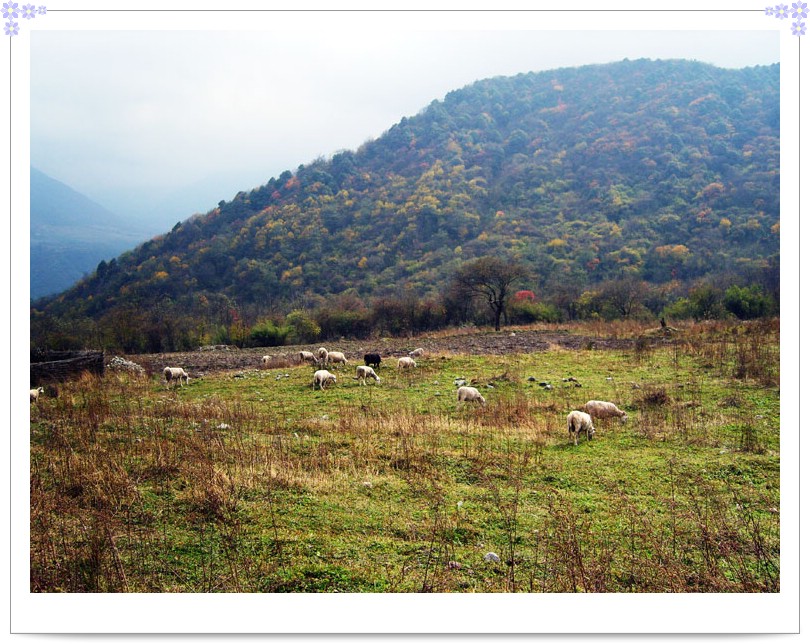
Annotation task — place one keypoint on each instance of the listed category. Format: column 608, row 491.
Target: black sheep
column 372, row 360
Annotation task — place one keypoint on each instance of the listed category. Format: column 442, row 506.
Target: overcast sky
column 187, row 118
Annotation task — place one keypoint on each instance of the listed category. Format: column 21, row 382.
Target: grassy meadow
column 251, row 481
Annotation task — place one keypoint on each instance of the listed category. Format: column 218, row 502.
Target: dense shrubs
column 301, row 328
column 526, row 312
column 709, row 302
column 747, row 302
column 267, row 334
column 337, row 323
column 186, row 324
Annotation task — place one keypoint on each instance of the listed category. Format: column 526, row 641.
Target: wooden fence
column 57, row 366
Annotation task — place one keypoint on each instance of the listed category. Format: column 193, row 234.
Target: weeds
column 397, row 488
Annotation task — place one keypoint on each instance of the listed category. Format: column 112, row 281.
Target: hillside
column 70, row 235
column 665, row 172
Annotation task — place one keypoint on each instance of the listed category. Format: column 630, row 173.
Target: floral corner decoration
column 12, row 10
column 797, row 11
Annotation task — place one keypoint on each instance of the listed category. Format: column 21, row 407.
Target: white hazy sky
column 191, row 117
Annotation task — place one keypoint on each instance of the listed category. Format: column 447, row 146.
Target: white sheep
column 322, row 377
column 364, row 372
column 469, row 394
column 579, row 421
column 335, row 356
column 602, row 409
column 406, row 362
column 416, row 352
column 266, row 360
column 307, row 356
column 35, row 393
column 322, row 353
column 172, row 374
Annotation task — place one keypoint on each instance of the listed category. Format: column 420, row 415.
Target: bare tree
column 491, row 279
column 626, row 295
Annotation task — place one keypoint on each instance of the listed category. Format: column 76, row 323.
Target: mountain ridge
column 660, row 171
column 70, row 234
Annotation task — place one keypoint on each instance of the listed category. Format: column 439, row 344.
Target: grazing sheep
column 406, row 362
column 364, row 372
column 35, row 393
column 173, row 374
column 470, row 394
column 372, row 360
column 266, row 360
column 602, row 409
column 579, row 421
column 322, row 377
column 416, row 352
column 307, row 356
column 336, row 356
column 322, row 353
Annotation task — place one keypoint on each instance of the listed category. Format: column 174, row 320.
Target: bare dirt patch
column 210, row 360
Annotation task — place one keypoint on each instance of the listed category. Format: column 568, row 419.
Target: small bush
column 679, row 310
column 267, row 334
column 302, row 329
column 654, row 397
column 747, row 302
column 344, row 324
column 526, row 311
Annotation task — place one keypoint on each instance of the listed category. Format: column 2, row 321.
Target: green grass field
column 252, row 481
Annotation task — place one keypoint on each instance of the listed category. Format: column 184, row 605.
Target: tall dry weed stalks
column 135, row 488
column 745, row 351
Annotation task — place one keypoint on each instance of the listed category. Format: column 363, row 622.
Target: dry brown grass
column 221, row 487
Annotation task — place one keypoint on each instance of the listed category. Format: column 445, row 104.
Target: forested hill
column 661, row 171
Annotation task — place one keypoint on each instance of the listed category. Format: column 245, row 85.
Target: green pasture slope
column 254, row 482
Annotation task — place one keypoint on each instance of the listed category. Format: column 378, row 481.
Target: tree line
column 488, row 292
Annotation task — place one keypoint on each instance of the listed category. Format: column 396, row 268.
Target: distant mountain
column 665, row 172
column 158, row 210
column 70, row 235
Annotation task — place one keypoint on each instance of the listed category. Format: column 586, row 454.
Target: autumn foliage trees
column 615, row 191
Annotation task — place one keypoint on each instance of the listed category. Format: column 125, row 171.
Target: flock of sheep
column 323, row 358
column 579, row 421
